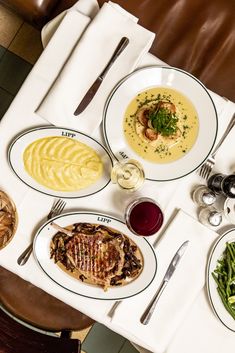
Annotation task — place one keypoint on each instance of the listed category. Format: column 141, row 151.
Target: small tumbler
column 210, row 216
column 203, row 196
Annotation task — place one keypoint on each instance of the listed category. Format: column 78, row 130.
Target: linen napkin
column 86, row 63
column 83, row 7
column 181, row 291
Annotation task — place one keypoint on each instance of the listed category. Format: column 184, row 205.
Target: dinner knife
column 171, row 269
column 94, row 88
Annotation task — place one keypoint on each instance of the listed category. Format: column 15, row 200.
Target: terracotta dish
column 8, row 219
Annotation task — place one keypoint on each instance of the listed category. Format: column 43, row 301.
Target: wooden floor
column 20, row 47
column 19, row 37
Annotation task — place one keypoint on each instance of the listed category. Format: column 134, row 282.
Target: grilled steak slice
column 97, row 254
column 98, row 260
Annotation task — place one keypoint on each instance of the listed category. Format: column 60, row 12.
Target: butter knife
column 171, row 269
column 94, row 88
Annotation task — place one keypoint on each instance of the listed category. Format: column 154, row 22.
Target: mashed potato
column 62, row 163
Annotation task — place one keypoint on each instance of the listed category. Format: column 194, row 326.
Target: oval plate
column 214, row 297
column 42, row 254
column 182, row 82
column 19, row 144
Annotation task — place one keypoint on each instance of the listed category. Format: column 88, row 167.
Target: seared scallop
column 167, row 106
column 142, row 116
column 151, row 134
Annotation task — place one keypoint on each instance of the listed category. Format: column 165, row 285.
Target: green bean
column 220, row 273
column 233, row 248
column 222, row 283
column 228, row 291
column 218, row 283
column 230, row 251
column 233, row 267
column 224, row 276
column 226, row 304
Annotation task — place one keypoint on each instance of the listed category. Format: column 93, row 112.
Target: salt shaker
column 210, row 216
column 203, row 196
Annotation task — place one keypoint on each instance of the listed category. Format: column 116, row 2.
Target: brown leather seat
column 195, row 35
column 33, row 11
column 16, row 338
column 34, row 306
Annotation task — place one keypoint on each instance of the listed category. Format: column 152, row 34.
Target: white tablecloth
column 200, row 331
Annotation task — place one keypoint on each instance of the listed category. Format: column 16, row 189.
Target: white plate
column 184, row 83
column 17, row 147
column 214, row 297
column 42, row 255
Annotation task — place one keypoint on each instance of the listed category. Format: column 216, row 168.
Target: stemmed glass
column 142, row 215
column 128, row 175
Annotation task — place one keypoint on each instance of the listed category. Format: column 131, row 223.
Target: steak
column 96, row 259
column 97, row 254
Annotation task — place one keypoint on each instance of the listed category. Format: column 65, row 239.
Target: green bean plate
column 221, row 279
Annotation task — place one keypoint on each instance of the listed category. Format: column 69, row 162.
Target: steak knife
column 171, row 269
column 94, row 88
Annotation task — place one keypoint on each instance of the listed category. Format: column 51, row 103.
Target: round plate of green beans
column 221, row 279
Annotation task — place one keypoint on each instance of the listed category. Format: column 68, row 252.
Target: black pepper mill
column 222, row 184
column 228, row 186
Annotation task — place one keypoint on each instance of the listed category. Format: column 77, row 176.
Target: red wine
column 145, row 217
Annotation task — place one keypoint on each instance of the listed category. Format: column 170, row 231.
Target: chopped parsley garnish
column 164, row 122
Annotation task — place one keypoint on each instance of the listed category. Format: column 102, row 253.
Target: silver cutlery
column 171, row 269
column 95, row 86
column 55, row 210
column 207, row 167
column 113, row 308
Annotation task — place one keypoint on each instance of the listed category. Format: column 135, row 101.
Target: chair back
column 15, row 337
column 194, row 35
column 34, row 306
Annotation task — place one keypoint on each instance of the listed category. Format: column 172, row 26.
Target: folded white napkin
column 182, row 289
column 83, row 7
column 86, row 63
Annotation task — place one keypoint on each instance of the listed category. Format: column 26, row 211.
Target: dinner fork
column 56, row 209
column 207, row 167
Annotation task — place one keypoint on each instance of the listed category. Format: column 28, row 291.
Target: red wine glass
column 144, row 217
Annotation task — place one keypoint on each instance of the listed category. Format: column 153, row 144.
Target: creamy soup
column 62, row 163
column 161, row 125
